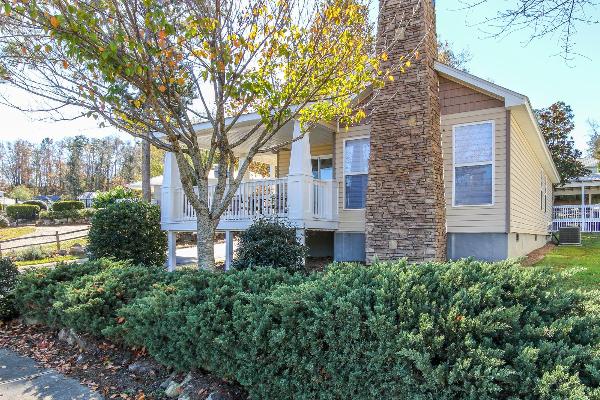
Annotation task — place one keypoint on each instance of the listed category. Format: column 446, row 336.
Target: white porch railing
column 586, row 217
column 323, row 199
column 252, row 199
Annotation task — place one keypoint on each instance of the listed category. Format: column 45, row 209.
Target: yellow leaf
column 384, row 56
column 408, row 64
column 54, row 22
column 391, row 78
column 162, row 88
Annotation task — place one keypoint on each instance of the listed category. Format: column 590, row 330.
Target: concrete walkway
column 188, row 255
column 23, row 378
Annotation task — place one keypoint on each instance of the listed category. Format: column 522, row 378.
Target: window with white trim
column 473, row 146
column 356, row 168
column 322, row 167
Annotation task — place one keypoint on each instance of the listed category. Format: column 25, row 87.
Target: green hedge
column 23, row 211
column 128, row 230
column 8, row 281
column 69, row 214
column 104, row 199
column 67, row 205
column 464, row 330
column 43, row 206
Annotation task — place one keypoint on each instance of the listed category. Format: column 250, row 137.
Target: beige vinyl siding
column 526, row 213
column 474, row 219
column 457, row 98
column 283, row 157
column 349, row 220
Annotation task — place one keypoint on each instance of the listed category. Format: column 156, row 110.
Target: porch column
column 299, row 178
column 171, row 251
column 228, row 249
column 168, row 191
column 582, row 208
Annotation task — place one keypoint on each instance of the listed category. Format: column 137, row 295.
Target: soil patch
column 537, row 255
column 114, row 371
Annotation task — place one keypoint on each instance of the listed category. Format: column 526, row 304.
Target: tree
column 75, row 166
column 556, row 123
column 447, row 55
column 594, row 140
column 154, row 68
column 21, row 193
column 556, row 18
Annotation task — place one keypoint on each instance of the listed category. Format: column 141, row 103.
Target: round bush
column 43, row 206
column 23, row 211
column 128, row 230
column 8, row 281
column 4, row 222
column 270, row 243
column 103, row 199
column 68, row 205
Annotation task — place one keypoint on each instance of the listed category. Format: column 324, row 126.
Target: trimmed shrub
column 67, row 205
column 128, row 230
column 103, row 199
column 8, row 281
column 43, row 206
column 23, row 211
column 36, row 290
column 32, row 253
column 69, row 214
column 4, row 222
column 270, row 243
column 445, row 331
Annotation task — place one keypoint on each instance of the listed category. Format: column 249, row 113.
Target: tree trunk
column 146, row 193
column 205, row 244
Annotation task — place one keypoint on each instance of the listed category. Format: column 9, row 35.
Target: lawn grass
column 586, row 257
column 13, row 233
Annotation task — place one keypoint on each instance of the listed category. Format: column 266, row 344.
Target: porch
column 296, row 190
column 577, row 204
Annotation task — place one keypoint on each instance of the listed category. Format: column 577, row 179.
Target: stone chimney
column 405, row 211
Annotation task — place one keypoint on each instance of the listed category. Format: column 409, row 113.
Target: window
column 473, row 146
column 322, row 167
column 356, row 167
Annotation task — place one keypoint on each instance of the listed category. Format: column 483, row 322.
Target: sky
column 533, row 69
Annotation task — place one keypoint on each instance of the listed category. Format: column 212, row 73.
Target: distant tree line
column 72, row 165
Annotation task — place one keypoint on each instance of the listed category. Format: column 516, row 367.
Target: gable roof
column 519, row 105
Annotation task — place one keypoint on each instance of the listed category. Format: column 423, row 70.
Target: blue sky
column 534, row 70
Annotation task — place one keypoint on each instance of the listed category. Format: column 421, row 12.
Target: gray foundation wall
column 349, row 246
column 482, row 246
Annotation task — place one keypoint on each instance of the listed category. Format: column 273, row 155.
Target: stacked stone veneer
column 405, row 212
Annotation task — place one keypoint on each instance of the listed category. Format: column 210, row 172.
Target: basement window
column 473, row 147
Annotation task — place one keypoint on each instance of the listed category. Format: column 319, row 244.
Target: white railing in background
column 253, row 199
column 587, row 217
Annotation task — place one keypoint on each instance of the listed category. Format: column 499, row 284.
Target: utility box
column 570, row 236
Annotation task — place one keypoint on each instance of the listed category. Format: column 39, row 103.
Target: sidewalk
column 23, row 378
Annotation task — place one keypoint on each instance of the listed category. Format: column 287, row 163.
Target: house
column 577, row 203
column 87, row 198
column 446, row 165
column 155, row 185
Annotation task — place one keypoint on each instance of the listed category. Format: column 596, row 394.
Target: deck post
column 582, row 207
column 171, row 181
column 228, row 249
column 299, row 178
column 171, row 250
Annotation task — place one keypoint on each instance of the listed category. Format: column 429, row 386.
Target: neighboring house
column 87, row 198
column 578, row 201
column 155, row 185
column 498, row 179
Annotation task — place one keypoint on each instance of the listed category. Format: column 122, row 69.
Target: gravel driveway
column 30, row 240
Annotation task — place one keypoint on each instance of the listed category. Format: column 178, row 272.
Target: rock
column 62, row 252
column 174, row 389
column 72, row 338
column 141, row 368
column 30, row 321
column 184, row 396
column 80, row 359
column 77, row 250
column 167, row 382
column 218, row 396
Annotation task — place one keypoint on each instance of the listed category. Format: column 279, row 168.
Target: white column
column 171, row 182
column 228, row 249
column 582, row 208
column 171, row 251
column 300, row 178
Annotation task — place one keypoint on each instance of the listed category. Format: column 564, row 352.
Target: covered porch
column 578, row 204
column 300, row 188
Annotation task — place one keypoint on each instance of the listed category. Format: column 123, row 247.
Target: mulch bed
column 113, row 371
column 537, row 255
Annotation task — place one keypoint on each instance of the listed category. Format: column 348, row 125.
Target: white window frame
column 493, row 162
column 355, row 173
column 323, row 157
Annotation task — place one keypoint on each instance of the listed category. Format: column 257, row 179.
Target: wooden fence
column 56, row 238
